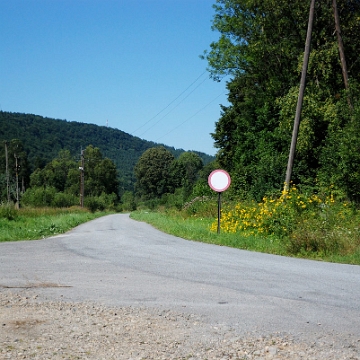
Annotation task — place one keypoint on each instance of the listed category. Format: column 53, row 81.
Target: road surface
column 117, row 261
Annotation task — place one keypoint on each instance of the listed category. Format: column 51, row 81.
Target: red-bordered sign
column 219, row 180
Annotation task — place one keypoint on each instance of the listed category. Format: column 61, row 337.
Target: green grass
column 198, row 229
column 33, row 224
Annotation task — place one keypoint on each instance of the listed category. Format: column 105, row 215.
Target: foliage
column 186, row 171
column 128, row 201
column 58, row 183
column 340, row 159
column 37, row 196
column 100, row 173
column 56, row 173
column 332, row 240
column 16, row 156
column 153, row 173
column 43, row 139
column 101, row 202
column 261, row 47
column 307, row 223
column 8, row 211
column 64, row 200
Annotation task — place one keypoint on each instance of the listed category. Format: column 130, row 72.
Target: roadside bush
column 174, row 200
column 334, row 231
column 201, row 206
column 94, row 203
column 100, row 203
column 64, row 200
column 306, row 223
column 128, row 201
column 8, row 211
column 39, row 196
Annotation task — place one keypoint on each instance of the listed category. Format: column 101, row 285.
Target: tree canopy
column 261, row 48
column 17, row 162
column 42, row 139
column 153, row 173
column 63, row 174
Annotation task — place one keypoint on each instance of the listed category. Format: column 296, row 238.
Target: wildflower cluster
column 276, row 215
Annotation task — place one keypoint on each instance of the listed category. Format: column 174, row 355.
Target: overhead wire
column 173, row 107
column 190, row 116
column 169, row 103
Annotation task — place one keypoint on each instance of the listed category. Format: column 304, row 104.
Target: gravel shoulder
column 33, row 327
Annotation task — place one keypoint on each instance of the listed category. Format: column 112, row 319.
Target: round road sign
column 219, row 180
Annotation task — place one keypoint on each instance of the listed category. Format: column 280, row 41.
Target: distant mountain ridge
column 44, row 137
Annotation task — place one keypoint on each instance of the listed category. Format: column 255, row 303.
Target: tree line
column 43, row 138
column 261, row 50
column 63, row 180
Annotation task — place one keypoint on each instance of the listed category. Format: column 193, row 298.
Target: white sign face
column 219, row 180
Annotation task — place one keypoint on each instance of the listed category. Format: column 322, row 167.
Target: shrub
column 8, row 211
column 39, row 196
column 64, row 200
column 94, row 203
column 307, row 223
column 128, row 201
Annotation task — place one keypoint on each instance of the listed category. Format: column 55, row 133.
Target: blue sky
column 132, row 63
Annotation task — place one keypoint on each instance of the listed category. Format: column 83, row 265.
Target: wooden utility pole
column 17, row 182
column 342, row 53
column 7, row 172
column 82, row 182
column 300, row 98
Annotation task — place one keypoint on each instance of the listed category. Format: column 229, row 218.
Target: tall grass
column 39, row 223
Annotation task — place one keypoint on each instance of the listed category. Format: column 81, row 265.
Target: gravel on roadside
column 31, row 328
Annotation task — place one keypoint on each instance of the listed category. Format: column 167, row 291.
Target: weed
column 8, row 211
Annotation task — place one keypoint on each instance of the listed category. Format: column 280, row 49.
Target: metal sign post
column 219, row 181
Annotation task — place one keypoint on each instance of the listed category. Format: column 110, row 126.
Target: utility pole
column 17, row 182
column 300, row 98
column 7, row 172
column 342, row 53
column 82, row 185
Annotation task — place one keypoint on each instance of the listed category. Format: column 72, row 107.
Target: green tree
column 153, row 173
column 63, row 175
column 17, row 155
column 100, row 173
column 261, row 48
column 56, row 173
column 186, row 171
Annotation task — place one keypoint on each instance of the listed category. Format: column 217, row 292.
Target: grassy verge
column 199, row 229
column 32, row 224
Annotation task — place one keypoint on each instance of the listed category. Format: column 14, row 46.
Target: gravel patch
column 34, row 328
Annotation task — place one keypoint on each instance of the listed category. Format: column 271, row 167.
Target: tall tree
column 63, row 174
column 100, row 173
column 153, row 173
column 261, row 48
column 186, row 171
column 17, row 165
column 56, row 172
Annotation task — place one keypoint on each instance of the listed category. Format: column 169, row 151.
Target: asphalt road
column 118, row 261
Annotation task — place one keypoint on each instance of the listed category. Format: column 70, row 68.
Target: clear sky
column 133, row 64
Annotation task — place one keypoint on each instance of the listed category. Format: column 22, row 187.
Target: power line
column 169, row 103
column 190, row 117
column 173, row 107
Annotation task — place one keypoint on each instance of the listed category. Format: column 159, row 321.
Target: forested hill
column 43, row 138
